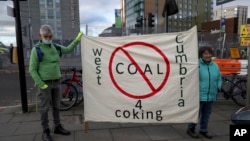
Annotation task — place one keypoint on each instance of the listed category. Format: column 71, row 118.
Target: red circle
column 143, row 44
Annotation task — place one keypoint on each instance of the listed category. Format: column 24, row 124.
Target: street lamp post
column 20, row 57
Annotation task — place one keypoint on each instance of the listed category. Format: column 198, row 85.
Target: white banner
column 141, row 79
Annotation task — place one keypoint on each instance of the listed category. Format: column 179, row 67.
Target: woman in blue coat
column 209, row 82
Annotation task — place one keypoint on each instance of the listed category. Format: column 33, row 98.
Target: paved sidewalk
column 16, row 126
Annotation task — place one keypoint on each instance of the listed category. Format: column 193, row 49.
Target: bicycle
column 71, row 95
column 234, row 88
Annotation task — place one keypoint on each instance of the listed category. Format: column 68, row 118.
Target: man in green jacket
column 45, row 71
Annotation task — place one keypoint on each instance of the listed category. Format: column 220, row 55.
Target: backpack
column 40, row 53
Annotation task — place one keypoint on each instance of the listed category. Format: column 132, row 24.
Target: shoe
column 60, row 130
column 206, row 135
column 46, row 135
column 191, row 133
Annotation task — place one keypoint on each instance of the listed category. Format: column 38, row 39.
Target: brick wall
column 231, row 25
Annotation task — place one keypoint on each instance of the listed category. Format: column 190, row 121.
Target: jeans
column 48, row 97
column 204, row 114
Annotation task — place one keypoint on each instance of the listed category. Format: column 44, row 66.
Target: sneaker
column 191, row 133
column 46, row 135
column 206, row 135
column 60, row 130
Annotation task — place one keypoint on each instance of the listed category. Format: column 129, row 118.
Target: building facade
column 239, row 12
column 191, row 12
column 62, row 15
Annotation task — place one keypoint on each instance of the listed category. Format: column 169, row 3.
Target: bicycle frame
column 232, row 81
column 235, row 89
column 74, row 78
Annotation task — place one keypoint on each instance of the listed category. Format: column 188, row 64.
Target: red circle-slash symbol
column 154, row 90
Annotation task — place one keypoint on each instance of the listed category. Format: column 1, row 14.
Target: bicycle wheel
column 222, row 94
column 225, row 88
column 80, row 97
column 239, row 92
column 79, row 91
column 69, row 96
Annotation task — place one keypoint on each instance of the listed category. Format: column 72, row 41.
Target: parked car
column 241, row 116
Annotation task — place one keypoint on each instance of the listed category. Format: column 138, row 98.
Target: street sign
column 222, row 24
column 245, row 30
column 245, row 41
column 234, row 52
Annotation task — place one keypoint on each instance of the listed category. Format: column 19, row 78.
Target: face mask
column 47, row 42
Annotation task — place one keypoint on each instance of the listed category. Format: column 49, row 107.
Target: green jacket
column 49, row 67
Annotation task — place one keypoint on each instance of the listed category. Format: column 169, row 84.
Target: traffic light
column 139, row 21
column 151, row 20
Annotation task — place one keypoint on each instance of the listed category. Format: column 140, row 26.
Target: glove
column 79, row 36
column 44, row 86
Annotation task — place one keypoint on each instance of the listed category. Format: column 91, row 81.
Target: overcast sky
column 98, row 14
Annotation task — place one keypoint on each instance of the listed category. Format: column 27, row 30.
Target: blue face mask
column 47, row 42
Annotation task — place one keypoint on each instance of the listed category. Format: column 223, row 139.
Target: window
column 42, row 13
column 235, row 12
column 58, row 25
column 58, row 3
column 51, row 14
column 42, row 3
column 52, row 24
column 185, row 6
column 50, row 4
column 59, row 35
column 58, row 14
column 43, row 21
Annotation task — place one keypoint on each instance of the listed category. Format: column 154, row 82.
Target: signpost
column 16, row 13
column 245, row 41
column 222, row 23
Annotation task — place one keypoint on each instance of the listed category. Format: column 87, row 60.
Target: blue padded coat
column 210, row 80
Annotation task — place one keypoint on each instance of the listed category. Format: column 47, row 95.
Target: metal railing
column 221, row 49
